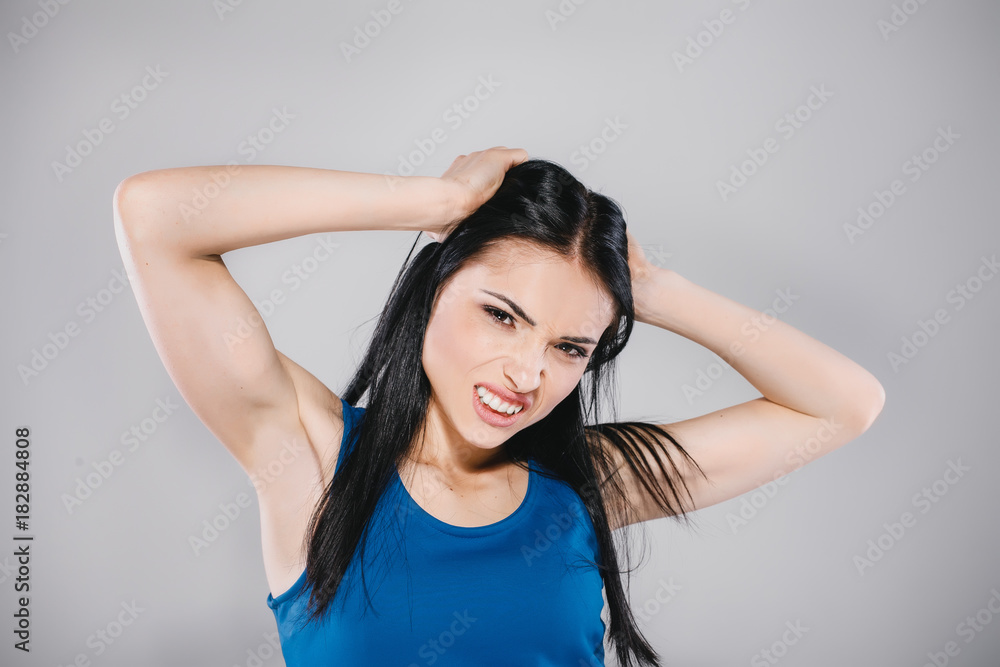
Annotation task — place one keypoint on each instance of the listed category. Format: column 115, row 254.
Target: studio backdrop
column 833, row 165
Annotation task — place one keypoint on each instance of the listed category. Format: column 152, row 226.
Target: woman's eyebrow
column 524, row 316
column 513, row 306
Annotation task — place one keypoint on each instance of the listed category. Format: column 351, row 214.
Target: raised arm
column 229, row 372
column 263, row 407
column 185, row 211
column 814, row 399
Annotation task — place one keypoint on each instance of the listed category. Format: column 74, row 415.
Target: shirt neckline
column 509, row 521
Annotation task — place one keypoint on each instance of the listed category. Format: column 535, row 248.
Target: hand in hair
column 475, row 177
column 642, row 271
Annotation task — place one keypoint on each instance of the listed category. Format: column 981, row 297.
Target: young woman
column 465, row 515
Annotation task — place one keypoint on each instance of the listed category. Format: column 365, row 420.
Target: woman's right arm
column 253, row 398
column 247, row 393
column 263, row 407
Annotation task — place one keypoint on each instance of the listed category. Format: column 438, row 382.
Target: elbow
column 123, row 205
column 121, row 213
column 131, row 207
column 866, row 406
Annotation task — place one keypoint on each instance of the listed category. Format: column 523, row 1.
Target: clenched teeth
column 495, row 403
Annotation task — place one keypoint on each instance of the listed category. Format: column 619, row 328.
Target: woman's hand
column 475, row 178
column 642, row 275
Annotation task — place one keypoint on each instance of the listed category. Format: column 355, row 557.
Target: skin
column 459, row 468
column 284, row 426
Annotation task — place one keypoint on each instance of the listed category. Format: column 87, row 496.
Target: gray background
column 681, row 130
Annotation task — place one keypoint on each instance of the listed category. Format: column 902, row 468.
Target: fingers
column 514, row 155
column 502, row 156
column 517, row 156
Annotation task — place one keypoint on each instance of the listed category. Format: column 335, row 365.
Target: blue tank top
column 516, row 592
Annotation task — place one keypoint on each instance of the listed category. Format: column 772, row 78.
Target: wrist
column 455, row 202
column 651, row 297
column 429, row 203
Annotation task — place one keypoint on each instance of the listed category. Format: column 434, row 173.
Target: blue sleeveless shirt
column 521, row 591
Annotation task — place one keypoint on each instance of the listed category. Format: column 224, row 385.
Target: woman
column 465, row 516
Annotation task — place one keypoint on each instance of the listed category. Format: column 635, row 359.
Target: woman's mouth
column 492, row 409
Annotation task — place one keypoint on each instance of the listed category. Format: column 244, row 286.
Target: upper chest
column 474, row 501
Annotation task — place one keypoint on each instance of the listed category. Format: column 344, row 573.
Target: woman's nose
column 524, row 369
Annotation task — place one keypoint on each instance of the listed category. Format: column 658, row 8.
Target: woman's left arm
column 814, row 398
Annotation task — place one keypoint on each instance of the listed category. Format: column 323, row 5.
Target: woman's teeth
column 495, row 403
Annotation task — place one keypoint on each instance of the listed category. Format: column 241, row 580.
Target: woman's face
column 520, row 323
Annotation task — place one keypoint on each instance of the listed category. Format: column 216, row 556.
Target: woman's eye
column 498, row 314
column 574, row 351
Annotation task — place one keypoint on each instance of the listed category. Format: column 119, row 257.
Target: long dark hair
column 541, row 203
